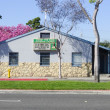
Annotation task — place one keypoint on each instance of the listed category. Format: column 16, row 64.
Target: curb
column 90, row 92
column 23, row 79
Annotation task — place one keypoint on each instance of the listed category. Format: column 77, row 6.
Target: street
column 10, row 101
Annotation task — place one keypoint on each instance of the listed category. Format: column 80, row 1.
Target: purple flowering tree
column 7, row 32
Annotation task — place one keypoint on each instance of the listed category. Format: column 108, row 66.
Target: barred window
column 13, row 58
column 76, row 59
column 45, row 59
column 44, row 35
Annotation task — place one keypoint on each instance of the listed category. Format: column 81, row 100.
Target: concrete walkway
column 91, row 79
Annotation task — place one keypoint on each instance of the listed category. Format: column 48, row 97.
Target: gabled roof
column 23, row 35
column 49, row 29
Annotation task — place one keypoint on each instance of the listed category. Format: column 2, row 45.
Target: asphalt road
column 53, row 102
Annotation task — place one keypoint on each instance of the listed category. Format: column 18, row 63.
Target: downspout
column 108, row 62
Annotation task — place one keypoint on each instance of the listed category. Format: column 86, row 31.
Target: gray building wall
column 24, row 46
column 29, row 60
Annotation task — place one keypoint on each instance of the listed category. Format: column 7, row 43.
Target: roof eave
column 23, row 35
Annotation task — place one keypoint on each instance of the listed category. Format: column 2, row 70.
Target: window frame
column 46, row 37
column 17, row 59
column 77, row 65
column 41, row 63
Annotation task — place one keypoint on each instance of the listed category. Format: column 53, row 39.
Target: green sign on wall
column 45, row 44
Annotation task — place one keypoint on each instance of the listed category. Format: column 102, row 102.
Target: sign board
column 45, row 44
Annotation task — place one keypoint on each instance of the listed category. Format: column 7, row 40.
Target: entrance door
column 103, row 64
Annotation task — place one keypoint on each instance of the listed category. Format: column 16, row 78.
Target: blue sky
column 16, row 12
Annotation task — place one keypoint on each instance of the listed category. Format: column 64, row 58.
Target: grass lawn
column 54, row 85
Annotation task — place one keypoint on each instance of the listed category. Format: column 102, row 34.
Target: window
column 44, row 35
column 45, row 59
column 13, row 58
column 76, row 59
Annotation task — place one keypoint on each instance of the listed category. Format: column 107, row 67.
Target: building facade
column 36, row 54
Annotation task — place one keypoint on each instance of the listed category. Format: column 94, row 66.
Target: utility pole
column 45, row 21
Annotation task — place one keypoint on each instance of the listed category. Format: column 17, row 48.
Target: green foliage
column 34, row 23
column 105, row 44
column 92, row 1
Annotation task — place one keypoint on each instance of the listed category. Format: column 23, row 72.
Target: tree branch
column 67, row 33
column 51, row 22
column 71, row 27
column 101, row 1
column 84, row 11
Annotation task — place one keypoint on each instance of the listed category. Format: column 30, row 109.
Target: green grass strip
column 54, row 85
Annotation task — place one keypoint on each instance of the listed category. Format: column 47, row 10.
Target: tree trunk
column 60, row 65
column 96, row 50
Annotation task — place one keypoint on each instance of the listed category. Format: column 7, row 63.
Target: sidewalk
column 90, row 79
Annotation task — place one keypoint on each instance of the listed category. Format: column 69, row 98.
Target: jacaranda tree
column 7, row 32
